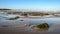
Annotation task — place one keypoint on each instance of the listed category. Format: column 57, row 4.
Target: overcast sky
column 31, row 4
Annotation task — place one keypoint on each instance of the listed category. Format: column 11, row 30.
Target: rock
column 26, row 25
column 43, row 26
column 14, row 18
column 21, row 20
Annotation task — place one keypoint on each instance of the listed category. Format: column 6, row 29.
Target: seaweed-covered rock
column 14, row 18
column 43, row 26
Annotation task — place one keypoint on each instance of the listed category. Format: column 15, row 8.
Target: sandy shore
column 17, row 27
column 19, row 30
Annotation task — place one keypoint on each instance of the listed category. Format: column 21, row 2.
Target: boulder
column 43, row 26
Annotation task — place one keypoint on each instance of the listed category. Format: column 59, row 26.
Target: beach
column 18, row 26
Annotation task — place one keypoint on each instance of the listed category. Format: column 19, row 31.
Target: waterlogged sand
column 18, row 27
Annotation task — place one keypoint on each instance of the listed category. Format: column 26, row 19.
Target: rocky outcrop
column 43, row 26
column 14, row 18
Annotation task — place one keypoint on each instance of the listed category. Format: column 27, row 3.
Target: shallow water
column 54, row 22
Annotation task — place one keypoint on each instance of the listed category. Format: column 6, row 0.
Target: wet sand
column 25, row 30
column 18, row 27
column 19, row 30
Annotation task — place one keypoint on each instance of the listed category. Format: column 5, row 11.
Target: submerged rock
column 21, row 20
column 43, row 26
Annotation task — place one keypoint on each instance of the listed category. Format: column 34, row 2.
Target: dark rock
column 14, row 18
column 43, row 26
column 21, row 20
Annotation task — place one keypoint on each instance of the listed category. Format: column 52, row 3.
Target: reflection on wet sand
column 19, row 27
